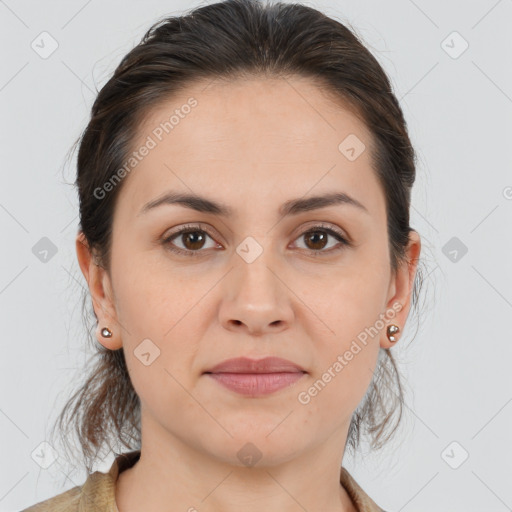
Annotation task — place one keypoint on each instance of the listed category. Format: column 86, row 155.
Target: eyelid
column 324, row 225
column 191, row 227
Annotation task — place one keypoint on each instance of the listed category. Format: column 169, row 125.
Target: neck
column 178, row 474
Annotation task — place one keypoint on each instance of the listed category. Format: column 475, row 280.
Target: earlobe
column 107, row 337
column 403, row 285
column 99, row 288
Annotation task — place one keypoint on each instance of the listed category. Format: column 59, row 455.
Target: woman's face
column 247, row 282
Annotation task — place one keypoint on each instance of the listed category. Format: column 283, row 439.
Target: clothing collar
column 99, row 489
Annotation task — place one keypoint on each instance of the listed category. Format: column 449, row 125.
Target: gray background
column 458, row 107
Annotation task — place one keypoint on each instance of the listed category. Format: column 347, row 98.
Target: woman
column 244, row 186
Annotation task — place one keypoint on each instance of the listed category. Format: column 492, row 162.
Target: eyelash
column 196, row 228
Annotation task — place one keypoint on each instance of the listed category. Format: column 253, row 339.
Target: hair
column 228, row 40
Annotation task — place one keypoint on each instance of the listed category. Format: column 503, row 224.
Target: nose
column 256, row 300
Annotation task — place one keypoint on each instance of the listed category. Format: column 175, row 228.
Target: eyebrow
column 290, row 207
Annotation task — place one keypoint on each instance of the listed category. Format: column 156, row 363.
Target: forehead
column 261, row 137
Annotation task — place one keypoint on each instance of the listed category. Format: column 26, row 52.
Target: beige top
column 97, row 494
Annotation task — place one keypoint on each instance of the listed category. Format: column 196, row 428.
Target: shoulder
column 67, row 501
column 95, row 495
column 362, row 501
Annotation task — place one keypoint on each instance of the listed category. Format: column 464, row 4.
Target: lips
column 256, row 378
column 266, row 365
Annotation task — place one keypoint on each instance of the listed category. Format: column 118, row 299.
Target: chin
column 256, row 448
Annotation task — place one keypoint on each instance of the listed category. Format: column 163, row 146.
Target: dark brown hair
column 228, row 40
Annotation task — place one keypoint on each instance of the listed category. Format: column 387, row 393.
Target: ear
column 401, row 287
column 100, row 288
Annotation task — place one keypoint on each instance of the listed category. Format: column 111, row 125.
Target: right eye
column 191, row 236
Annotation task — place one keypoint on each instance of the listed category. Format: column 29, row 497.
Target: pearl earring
column 392, row 330
column 106, row 332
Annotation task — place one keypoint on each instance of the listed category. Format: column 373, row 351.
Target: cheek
column 160, row 310
column 152, row 295
column 348, row 347
column 353, row 302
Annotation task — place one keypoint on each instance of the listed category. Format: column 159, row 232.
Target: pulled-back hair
column 228, row 40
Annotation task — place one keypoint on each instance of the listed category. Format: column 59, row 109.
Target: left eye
column 318, row 237
column 193, row 239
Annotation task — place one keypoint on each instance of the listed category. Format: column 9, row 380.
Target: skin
column 251, row 144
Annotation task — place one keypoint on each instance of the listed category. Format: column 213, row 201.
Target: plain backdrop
column 450, row 64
